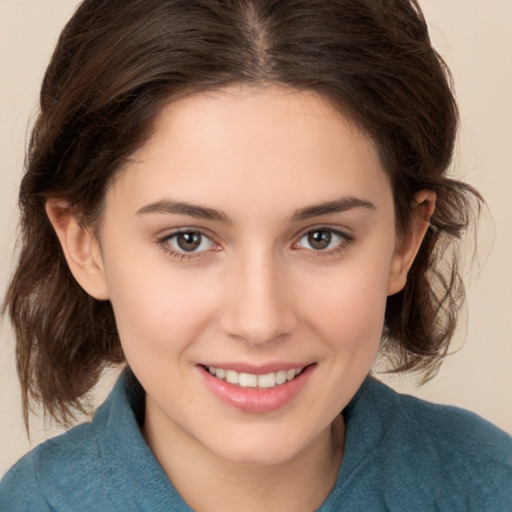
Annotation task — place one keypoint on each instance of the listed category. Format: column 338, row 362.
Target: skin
column 256, row 291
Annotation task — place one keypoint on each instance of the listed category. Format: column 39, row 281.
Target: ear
column 409, row 244
column 81, row 248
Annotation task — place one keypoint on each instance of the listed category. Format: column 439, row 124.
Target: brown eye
column 189, row 241
column 323, row 239
column 319, row 239
column 186, row 244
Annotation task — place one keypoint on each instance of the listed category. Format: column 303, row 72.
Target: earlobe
column 80, row 247
column 409, row 244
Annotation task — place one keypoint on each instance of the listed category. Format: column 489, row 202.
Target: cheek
column 347, row 306
column 158, row 310
column 353, row 318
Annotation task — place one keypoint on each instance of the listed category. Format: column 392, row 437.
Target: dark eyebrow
column 181, row 208
column 167, row 206
column 337, row 206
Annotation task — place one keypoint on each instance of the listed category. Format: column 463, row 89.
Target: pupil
column 189, row 241
column 319, row 239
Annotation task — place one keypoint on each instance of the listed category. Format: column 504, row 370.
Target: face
column 247, row 250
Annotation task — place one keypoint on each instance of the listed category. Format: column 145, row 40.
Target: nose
column 259, row 306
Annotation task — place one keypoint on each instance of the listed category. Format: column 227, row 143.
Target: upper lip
column 257, row 369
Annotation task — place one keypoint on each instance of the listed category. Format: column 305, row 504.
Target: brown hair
column 118, row 61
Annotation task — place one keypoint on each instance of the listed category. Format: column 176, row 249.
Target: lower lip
column 257, row 400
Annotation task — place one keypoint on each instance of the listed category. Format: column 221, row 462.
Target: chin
column 261, row 456
column 264, row 448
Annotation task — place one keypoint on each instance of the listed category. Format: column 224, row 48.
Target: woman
column 246, row 202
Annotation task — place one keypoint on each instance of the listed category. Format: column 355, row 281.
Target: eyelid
column 347, row 239
column 163, row 240
column 341, row 231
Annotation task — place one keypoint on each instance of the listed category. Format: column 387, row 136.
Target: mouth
column 256, row 390
column 256, row 381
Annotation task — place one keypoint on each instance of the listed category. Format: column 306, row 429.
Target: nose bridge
column 259, row 308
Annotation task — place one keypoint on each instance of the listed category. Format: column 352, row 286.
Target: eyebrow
column 337, row 206
column 167, row 206
column 182, row 208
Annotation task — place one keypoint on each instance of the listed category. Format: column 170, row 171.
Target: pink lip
column 252, row 399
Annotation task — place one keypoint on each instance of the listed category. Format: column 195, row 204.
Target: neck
column 209, row 483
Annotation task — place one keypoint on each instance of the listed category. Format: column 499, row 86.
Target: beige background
column 475, row 38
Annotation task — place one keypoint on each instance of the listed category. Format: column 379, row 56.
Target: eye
column 187, row 242
column 323, row 239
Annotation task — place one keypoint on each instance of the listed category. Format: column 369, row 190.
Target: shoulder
column 103, row 465
column 66, row 473
column 60, row 467
column 444, row 427
column 466, row 459
column 22, row 475
column 453, row 433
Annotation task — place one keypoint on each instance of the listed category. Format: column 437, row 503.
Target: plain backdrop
column 475, row 38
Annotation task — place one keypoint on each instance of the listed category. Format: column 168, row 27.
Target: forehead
column 263, row 146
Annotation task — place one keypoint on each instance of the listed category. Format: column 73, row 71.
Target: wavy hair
column 118, row 62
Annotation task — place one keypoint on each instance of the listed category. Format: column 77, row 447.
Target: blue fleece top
column 401, row 454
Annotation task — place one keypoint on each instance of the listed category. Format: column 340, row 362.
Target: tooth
column 220, row 373
column 267, row 381
column 247, row 380
column 281, row 377
column 232, row 377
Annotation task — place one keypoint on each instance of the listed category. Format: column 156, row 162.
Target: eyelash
column 344, row 242
column 164, row 242
column 176, row 254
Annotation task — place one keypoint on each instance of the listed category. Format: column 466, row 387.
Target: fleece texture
column 401, row 454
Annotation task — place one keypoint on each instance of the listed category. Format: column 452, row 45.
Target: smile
column 256, row 390
column 250, row 380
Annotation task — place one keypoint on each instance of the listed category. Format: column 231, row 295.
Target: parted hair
column 118, row 62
